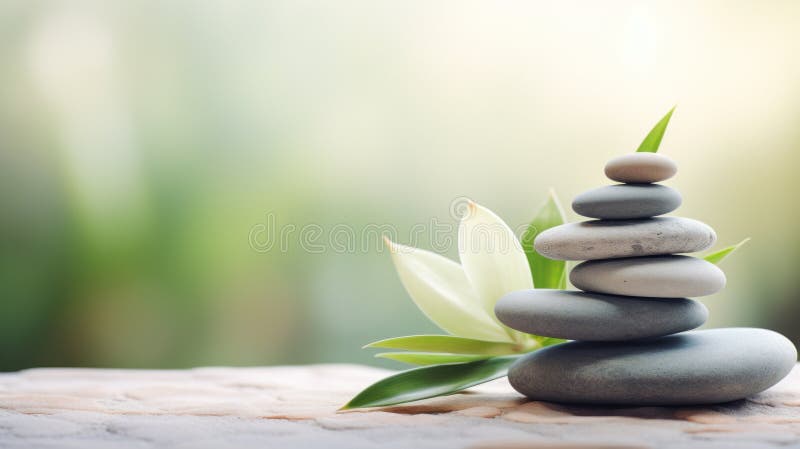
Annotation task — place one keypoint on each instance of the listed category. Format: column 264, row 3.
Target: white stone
column 608, row 239
column 641, row 168
column 653, row 277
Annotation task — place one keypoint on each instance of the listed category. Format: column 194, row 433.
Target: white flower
column 460, row 298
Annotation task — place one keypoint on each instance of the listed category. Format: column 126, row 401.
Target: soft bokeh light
column 141, row 143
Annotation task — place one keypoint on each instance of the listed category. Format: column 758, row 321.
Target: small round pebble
column 608, row 239
column 654, row 277
column 641, row 168
column 691, row 368
column 574, row 315
column 627, row 201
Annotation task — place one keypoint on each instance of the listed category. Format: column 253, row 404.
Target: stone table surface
column 295, row 407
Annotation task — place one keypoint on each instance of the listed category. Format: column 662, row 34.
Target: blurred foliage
column 142, row 141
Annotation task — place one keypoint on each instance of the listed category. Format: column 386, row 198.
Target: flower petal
column 491, row 256
column 442, row 291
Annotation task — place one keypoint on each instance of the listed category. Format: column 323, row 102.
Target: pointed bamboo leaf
column 717, row 257
column 651, row 143
column 546, row 273
column 447, row 344
column 442, row 291
column 430, row 381
column 562, row 285
column 550, row 341
column 430, row 358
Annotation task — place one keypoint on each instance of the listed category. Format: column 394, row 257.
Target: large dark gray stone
column 654, row 277
column 697, row 367
column 574, row 315
column 608, row 239
column 627, row 201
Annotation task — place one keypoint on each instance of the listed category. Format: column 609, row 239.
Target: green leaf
column 651, row 143
column 430, row 358
column 546, row 273
column 550, row 341
column 717, row 257
column 446, row 344
column 430, row 381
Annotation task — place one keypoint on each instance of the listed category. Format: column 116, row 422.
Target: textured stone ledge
column 286, row 407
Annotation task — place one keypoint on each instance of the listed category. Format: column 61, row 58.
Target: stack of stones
column 630, row 320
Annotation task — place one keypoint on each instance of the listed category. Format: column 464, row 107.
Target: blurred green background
column 144, row 144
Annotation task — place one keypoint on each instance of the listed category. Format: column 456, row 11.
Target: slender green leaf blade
column 446, row 344
column 651, row 143
column 430, row 358
column 546, row 273
column 716, row 257
column 430, row 381
column 550, row 341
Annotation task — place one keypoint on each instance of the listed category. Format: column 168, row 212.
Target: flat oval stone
column 574, row 315
column 696, row 367
column 641, row 168
column 627, row 201
column 609, row 239
column 654, row 277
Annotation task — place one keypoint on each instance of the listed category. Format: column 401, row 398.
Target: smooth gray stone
column 574, row 315
column 654, row 277
column 610, row 239
column 641, row 168
column 696, row 367
column 627, row 201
